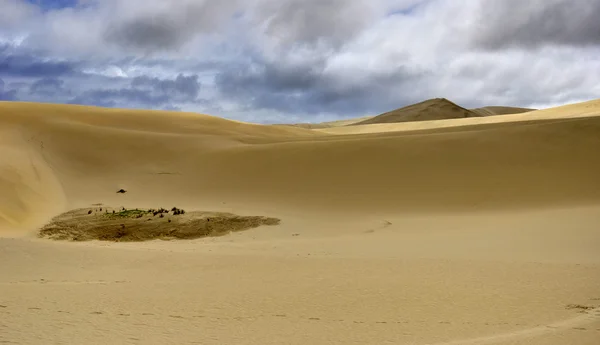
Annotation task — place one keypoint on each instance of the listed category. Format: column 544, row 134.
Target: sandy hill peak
column 432, row 109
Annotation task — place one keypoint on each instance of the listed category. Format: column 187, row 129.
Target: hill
column 433, row 109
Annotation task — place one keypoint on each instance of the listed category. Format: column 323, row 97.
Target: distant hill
column 433, row 109
column 492, row 111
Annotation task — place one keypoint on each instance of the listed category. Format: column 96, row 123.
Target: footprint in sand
column 64, row 282
column 575, row 323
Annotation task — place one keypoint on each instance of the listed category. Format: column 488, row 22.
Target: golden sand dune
column 479, row 230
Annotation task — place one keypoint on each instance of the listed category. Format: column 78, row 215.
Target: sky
column 277, row 61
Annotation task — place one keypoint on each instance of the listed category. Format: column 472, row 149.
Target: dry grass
column 145, row 225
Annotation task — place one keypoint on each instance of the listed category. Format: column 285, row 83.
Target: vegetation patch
column 580, row 308
column 135, row 225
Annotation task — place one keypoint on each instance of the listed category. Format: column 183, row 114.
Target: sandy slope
column 497, row 110
column 329, row 124
column 468, row 231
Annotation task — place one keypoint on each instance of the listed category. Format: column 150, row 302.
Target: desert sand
column 482, row 230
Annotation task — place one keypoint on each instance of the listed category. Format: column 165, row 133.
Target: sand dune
column 463, row 231
column 495, row 110
column 433, row 109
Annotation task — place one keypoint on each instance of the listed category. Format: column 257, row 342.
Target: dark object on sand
column 90, row 212
column 177, row 211
column 121, row 191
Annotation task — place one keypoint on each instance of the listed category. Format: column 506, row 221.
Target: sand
column 471, row 231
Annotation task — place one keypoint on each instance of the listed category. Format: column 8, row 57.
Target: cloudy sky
column 275, row 61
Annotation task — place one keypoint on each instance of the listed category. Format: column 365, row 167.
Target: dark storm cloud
column 25, row 65
column 5, row 94
column 148, row 33
column 168, row 26
column 145, row 92
column 47, row 87
column 307, row 89
column 535, row 23
column 183, row 87
column 116, row 97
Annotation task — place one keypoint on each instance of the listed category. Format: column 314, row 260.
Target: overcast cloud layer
column 299, row 60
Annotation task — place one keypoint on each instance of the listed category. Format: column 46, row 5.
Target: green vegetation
column 127, row 214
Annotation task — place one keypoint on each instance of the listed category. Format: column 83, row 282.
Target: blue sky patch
column 54, row 4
